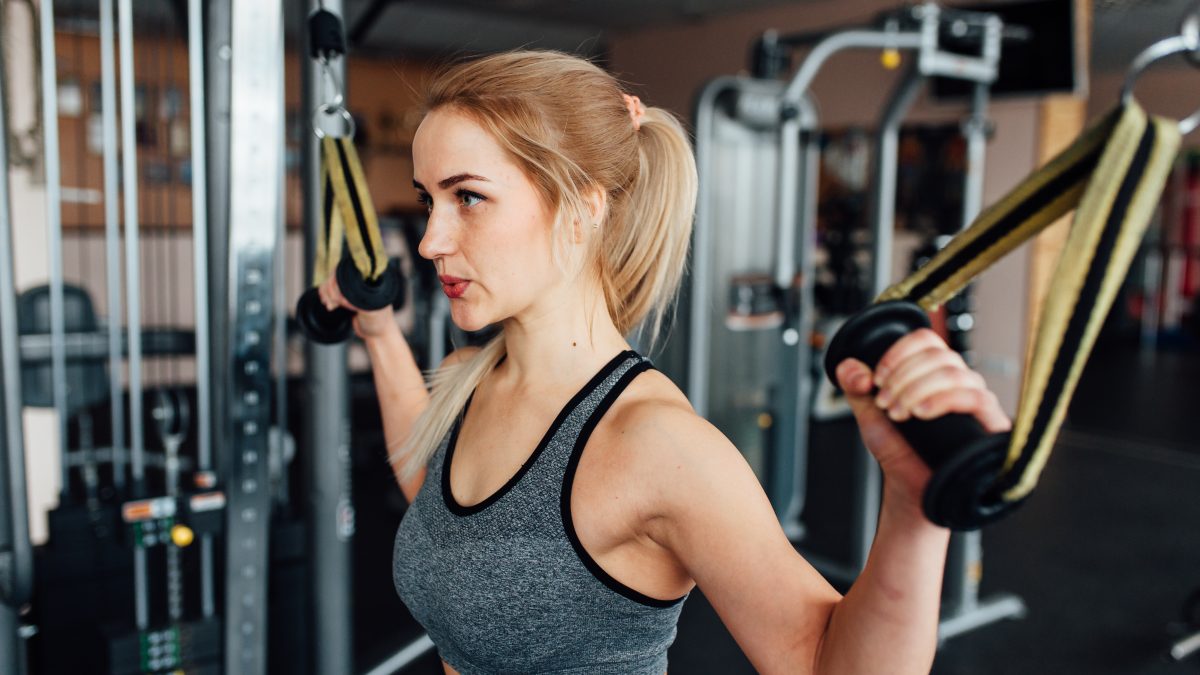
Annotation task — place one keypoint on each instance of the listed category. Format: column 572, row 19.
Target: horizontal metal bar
column 105, row 455
column 404, row 657
column 38, row 347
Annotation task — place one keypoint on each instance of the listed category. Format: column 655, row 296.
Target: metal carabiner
column 333, row 107
column 1187, row 43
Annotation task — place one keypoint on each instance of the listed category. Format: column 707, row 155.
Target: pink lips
column 453, row 287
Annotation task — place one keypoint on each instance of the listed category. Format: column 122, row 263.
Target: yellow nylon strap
column 353, row 204
column 329, row 244
column 1113, row 175
column 1065, row 197
column 1068, row 280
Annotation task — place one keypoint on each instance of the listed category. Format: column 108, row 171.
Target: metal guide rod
column 962, row 610
column 58, row 361
column 204, row 422
column 133, row 282
column 887, row 154
column 701, row 309
column 132, row 289
column 810, row 167
column 216, row 49
column 16, row 552
column 257, row 136
column 326, row 398
column 112, row 237
column 199, row 232
column 785, row 215
column 868, row 481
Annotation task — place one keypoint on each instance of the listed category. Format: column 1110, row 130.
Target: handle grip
column 965, row 458
column 370, row 294
column 321, row 325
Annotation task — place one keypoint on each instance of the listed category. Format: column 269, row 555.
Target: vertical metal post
column 964, row 561
column 133, row 280
column 868, row 483
column 16, row 553
column 326, row 396
column 701, row 267
column 795, row 476
column 200, row 283
column 217, row 37
column 256, row 139
column 883, row 204
column 133, row 288
column 58, row 360
column 962, row 610
column 112, row 238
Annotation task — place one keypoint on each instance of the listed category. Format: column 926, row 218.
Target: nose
column 438, row 239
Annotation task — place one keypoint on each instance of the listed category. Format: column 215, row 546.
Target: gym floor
column 1103, row 554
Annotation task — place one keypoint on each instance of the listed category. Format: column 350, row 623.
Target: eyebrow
column 452, row 180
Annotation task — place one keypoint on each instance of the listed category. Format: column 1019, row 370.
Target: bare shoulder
column 459, row 356
column 652, row 427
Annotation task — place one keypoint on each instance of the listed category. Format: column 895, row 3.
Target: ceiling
column 1122, row 28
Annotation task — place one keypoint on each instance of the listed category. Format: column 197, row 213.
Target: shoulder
column 657, row 435
column 458, row 357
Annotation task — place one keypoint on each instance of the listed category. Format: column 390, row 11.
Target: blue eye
column 468, row 198
column 425, row 200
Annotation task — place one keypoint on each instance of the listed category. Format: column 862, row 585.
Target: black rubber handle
column 370, row 295
column 966, row 458
column 321, row 325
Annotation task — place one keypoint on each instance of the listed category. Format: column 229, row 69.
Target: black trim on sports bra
column 569, row 479
column 447, row 494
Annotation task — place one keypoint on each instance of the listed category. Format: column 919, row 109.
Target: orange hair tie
column 636, row 110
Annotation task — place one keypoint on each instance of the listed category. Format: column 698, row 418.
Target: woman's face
column 489, row 234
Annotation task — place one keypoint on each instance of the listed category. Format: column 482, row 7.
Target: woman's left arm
column 718, row 523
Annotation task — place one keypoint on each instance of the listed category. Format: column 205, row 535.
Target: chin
column 468, row 321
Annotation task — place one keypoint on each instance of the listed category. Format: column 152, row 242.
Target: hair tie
column 636, row 110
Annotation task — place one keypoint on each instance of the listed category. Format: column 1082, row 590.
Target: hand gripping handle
column 965, row 458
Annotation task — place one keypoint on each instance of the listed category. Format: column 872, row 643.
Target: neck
column 569, row 336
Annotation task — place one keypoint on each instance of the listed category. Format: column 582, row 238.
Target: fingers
column 854, row 377
column 331, row 295
column 920, row 376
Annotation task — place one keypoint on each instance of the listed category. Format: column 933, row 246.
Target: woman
column 560, row 209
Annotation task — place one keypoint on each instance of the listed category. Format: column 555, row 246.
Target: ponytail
column 565, row 122
column 644, row 250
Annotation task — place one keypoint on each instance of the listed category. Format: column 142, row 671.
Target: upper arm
column 713, row 515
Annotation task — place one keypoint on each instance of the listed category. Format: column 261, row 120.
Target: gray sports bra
column 505, row 586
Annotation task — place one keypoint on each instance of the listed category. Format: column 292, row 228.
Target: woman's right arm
column 400, row 387
column 399, row 383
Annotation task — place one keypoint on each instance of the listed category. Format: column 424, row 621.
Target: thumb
column 857, row 381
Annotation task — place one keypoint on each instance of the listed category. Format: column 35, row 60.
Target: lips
column 453, row 287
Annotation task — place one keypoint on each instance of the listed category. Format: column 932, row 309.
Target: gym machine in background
column 157, row 556
column 179, row 541
column 755, row 327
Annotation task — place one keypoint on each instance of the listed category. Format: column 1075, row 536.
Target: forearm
column 888, row 620
column 401, row 390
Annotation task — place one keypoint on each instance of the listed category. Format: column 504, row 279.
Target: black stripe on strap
column 352, row 188
column 1078, row 323
column 1026, row 209
column 328, row 217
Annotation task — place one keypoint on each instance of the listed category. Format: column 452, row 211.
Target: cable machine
column 758, row 154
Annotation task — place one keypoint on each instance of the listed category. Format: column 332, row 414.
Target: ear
column 597, row 204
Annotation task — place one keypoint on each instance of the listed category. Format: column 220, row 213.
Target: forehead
column 448, row 143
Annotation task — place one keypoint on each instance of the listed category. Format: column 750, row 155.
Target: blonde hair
column 565, row 122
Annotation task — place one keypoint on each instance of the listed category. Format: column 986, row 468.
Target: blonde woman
column 565, row 498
